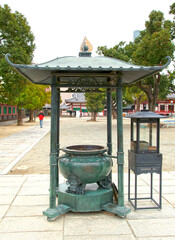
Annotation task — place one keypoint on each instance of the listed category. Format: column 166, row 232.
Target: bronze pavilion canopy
column 85, row 71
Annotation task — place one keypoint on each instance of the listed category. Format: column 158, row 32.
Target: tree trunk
column 138, row 105
column 93, row 116
column 114, row 113
column 138, row 101
column 152, row 91
column 114, row 110
column 152, row 103
column 19, row 120
column 31, row 116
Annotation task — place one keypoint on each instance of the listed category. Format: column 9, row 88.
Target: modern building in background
column 136, row 34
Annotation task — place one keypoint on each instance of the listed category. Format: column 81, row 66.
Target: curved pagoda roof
column 85, row 70
column 145, row 114
column 64, row 106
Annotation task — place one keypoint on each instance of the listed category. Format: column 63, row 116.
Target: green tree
column 119, row 51
column 149, row 49
column 134, row 94
column 123, row 52
column 17, row 39
column 94, row 103
column 33, row 97
column 152, row 48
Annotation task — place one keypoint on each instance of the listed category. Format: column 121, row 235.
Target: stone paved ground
column 81, row 131
column 14, row 146
column 24, row 197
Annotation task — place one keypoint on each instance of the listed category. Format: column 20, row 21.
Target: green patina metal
column 85, row 74
column 84, row 164
column 109, row 125
column 120, row 153
column 94, row 199
column 58, row 135
column 53, row 150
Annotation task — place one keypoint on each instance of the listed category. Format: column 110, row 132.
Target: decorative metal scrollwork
column 86, row 81
column 84, row 89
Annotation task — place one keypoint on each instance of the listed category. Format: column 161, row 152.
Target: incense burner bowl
column 84, row 164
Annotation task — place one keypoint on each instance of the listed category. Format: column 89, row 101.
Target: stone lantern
column 144, row 155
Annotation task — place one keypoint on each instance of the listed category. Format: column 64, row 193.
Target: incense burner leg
column 75, row 185
column 106, row 182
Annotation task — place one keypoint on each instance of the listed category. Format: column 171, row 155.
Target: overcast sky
column 59, row 26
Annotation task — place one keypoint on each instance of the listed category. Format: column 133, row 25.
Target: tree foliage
column 94, row 103
column 149, row 49
column 152, row 48
column 33, row 97
column 17, row 39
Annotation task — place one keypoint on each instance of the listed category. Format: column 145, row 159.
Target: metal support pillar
column 109, row 125
column 119, row 209
column 58, row 135
column 52, row 211
column 53, row 145
column 120, row 153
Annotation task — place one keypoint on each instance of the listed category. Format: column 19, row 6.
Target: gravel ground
column 82, row 131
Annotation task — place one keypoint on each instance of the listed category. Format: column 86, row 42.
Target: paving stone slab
column 40, row 177
column 89, row 215
column 6, row 199
column 173, row 173
column 11, row 182
column 167, row 211
column 15, row 177
column 31, row 200
column 140, row 181
column 34, row 190
column 153, row 227
column 170, row 198
column 167, row 189
column 5, row 159
column 157, row 238
column 140, row 189
column 26, row 211
column 165, row 176
column 100, row 237
column 165, row 183
column 44, row 183
column 32, row 236
column 3, row 210
column 9, row 190
column 92, row 226
column 29, row 224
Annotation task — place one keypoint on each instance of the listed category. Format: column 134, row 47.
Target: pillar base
column 121, row 211
column 95, row 199
column 52, row 213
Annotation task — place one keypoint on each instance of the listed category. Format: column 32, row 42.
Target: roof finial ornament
column 86, row 48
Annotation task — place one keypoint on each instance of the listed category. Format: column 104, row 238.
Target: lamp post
column 144, row 156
